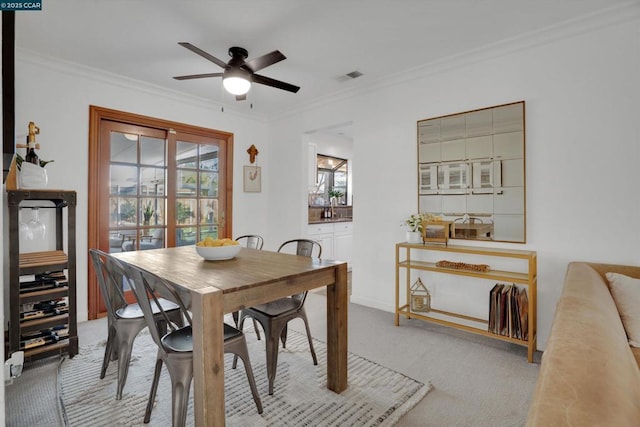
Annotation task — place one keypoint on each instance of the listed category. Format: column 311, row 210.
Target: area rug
column 376, row 396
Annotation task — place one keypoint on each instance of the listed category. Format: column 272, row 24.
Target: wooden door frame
column 96, row 115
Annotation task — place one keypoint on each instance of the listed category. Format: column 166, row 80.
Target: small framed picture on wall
column 252, row 179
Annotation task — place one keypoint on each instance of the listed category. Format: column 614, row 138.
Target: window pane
column 123, row 180
column 209, row 184
column 124, row 211
column 186, row 182
column 208, row 211
column 186, row 155
column 152, row 211
column 124, row 147
column 186, row 211
column 152, row 181
column 186, row 236
column 211, row 231
column 152, row 151
column 209, row 157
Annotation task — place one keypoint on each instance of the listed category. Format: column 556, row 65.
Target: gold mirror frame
column 471, row 171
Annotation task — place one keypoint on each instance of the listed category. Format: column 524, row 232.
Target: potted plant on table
column 414, row 228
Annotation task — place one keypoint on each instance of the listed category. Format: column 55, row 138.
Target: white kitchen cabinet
column 336, row 239
column 343, row 241
column 323, row 234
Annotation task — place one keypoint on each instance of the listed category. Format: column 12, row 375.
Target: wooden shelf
column 47, row 294
column 44, row 322
column 507, row 276
column 43, row 259
column 53, row 348
column 527, row 277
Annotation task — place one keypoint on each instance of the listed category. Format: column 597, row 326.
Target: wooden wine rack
column 36, row 263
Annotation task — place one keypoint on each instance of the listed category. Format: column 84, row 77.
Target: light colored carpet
column 36, row 404
column 376, row 396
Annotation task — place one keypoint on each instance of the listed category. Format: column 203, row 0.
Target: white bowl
column 218, row 253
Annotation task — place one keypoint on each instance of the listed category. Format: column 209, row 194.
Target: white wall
column 581, row 85
column 57, row 96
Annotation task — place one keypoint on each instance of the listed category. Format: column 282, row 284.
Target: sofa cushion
column 626, row 294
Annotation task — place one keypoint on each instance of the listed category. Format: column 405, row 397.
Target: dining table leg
column 208, row 356
column 337, row 339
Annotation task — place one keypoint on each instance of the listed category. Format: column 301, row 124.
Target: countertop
column 326, row 220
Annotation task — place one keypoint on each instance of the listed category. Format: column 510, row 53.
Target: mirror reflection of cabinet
column 471, row 171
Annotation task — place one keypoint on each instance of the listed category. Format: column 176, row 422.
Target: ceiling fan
column 238, row 73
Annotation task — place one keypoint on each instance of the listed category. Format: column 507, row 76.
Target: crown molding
column 620, row 14
column 71, row 68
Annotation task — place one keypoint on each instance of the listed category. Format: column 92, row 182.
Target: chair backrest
column 252, row 241
column 304, row 247
column 111, row 279
column 157, row 238
column 147, row 286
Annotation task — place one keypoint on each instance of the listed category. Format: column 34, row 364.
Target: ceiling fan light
column 236, row 85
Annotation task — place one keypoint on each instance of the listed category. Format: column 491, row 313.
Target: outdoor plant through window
column 332, row 179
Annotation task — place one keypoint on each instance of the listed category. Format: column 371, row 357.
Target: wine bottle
column 31, row 156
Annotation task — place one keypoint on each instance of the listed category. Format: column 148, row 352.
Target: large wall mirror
column 471, row 171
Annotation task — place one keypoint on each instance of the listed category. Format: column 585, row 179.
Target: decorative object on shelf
column 413, row 223
column 30, row 169
column 334, row 196
column 35, row 229
column 414, row 228
column 252, row 179
column 32, row 176
column 508, row 311
column 414, row 237
column 420, row 297
column 482, row 268
column 436, row 231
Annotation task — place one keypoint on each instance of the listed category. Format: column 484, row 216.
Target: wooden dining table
column 213, row 288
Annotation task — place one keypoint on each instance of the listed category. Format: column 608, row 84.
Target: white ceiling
column 323, row 40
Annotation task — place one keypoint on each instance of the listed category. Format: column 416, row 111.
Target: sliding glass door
column 154, row 184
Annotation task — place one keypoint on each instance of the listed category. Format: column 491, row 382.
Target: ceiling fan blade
column 257, row 64
column 257, row 78
column 204, row 54
column 241, row 97
column 198, row 76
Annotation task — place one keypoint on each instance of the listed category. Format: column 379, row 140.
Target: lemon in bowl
column 217, row 249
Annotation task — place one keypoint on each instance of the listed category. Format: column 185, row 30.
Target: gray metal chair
column 175, row 348
column 275, row 315
column 124, row 320
column 252, row 241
